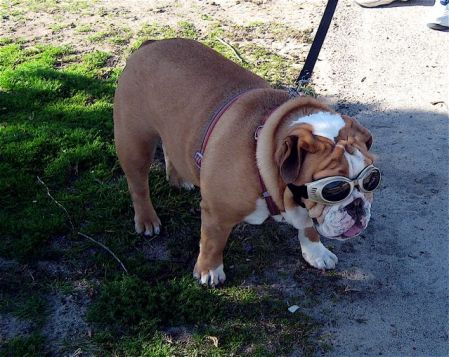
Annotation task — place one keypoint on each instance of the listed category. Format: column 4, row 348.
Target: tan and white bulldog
column 168, row 91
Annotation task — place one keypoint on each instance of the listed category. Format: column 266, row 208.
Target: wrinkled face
column 340, row 149
column 348, row 218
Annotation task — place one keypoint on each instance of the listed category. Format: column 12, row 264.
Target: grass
column 84, row 28
column 32, row 345
column 116, row 36
column 23, row 301
column 137, row 314
column 56, row 136
column 74, row 6
column 57, row 27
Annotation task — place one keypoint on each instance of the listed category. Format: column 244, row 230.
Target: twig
column 73, row 227
column 55, row 201
column 104, row 247
column 439, row 102
column 232, row 49
column 77, row 353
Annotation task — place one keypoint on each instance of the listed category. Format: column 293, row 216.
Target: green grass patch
column 5, row 41
column 84, row 28
column 137, row 316
column 27, row 306
column 56, row 125
column 273, row 30
column 225, row 39
column 8, row 9
column 24, row 346
column 53, row 6
column 25, row 301
column 113, row 35
column 58, row 27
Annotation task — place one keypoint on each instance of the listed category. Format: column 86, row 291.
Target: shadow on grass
column 239, row 318
column 57, row 124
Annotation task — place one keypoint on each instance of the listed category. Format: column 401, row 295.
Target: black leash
column 326, row 20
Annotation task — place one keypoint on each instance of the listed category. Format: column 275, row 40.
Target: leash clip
column 294, row 92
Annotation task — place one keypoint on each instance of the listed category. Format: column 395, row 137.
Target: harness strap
column 271, row 205
column 212, row 122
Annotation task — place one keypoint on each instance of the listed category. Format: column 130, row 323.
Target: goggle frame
column 313, row 190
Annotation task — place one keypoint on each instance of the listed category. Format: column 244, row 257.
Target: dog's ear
column 292, row 151
column 289, row 159
column 356, row 131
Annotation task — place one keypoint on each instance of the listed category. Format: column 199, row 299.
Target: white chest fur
column 260, row 214
column 297, row 217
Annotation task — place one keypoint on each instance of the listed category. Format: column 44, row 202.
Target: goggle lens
column 336, row 191
column 371, row 181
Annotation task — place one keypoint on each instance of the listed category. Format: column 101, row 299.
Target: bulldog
column 252, row 150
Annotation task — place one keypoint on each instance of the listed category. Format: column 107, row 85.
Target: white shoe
column 375, row 3
column 440, row 19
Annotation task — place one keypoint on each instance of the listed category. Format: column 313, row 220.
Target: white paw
column 148, row 229
column 211, row 278
column 318, row 256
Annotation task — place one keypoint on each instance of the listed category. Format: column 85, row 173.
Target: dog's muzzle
column 345, row 220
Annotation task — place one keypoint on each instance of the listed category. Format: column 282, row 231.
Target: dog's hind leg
column 136, row 153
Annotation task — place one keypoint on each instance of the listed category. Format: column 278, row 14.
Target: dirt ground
column 49, row 25
column 385, row 67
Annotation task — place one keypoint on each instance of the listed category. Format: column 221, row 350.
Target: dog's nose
column 355, row 208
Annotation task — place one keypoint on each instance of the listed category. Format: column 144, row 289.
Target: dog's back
column 170, row 85
column 183, row 77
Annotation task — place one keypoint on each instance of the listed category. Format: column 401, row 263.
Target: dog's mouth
column 352, row 232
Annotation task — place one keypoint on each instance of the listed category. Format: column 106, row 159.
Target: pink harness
column 212, row 122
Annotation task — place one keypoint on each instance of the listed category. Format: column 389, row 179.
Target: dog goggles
column 334, row 189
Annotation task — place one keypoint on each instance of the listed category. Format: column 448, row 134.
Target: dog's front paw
column 318, row 256
column 210, row 277
column 148, row 226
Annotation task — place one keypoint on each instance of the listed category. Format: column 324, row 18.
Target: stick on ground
column 232, row 49
column 80, row 233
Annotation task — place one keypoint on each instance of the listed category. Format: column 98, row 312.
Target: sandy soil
column 385, row 67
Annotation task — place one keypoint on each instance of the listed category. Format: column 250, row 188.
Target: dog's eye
column 336, row 191
column 371, row 182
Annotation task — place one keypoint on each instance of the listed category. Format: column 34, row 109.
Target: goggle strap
column 299, row 191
